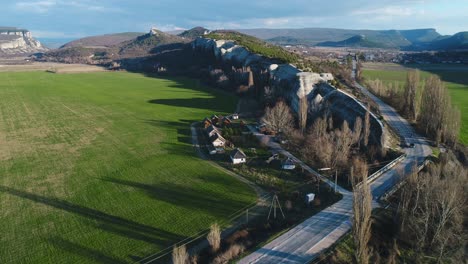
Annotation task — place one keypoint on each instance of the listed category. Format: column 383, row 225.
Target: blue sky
column 78, row 18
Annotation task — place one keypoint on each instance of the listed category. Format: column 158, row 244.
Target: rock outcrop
column 294, row 85
column 15, row 40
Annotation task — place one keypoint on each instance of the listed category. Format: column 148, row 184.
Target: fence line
column 398, row 186
column 237, row 215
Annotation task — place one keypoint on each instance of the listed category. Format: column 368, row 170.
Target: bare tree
column 362, row 210
column 342, row 140
column 214, row 237
column 431, row 210
column 357, row 130
column 409, row 97
column 438, row 117
column 279, row 117
column 180, row 255
column 302, row 114
column 318, row 128
column 366, row 129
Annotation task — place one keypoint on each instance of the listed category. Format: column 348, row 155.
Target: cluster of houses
column 218, row 142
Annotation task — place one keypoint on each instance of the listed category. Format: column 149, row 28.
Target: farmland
column 98, row 167
column 455, row 78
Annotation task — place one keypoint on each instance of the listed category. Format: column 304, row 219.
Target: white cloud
column 385, row 11
column 44, row 6
column 36, row 6
column 275, row 21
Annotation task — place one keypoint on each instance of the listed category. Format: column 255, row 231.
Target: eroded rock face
column 14, row 40
column 296, row 84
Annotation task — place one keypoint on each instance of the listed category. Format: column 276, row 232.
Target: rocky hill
column 18, row 41
column 150, row 43
column 458, row 41
column 107, row 48
column 100, row 41
column 194, row 33
column 355, row 41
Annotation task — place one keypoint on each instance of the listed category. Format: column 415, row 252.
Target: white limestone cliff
column 18, row 40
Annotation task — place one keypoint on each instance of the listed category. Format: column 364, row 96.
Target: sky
column 79, row 18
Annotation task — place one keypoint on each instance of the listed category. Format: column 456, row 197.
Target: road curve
column 303, row 243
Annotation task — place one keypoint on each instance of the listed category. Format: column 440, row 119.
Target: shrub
column 214, row 237
column 232, row 252
column 180, row 255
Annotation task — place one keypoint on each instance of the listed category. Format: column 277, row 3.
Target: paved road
column 306, row 241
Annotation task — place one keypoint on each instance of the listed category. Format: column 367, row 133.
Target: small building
column 288, row 164
column 217, row 140
column 214, row 119
column 206, row 122
column 238, row 156
column 310, row 198
column 212, row 150
column 211, row 130
column 235, row 116
column 226, row 121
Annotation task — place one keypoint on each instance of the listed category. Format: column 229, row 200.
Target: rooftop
column 238, row 154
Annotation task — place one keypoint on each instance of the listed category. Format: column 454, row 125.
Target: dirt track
column 50, row 66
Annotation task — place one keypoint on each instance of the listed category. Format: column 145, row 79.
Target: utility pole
column 274, row 203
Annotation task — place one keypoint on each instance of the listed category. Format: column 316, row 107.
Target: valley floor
column 99, row 167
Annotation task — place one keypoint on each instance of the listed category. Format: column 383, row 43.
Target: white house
column 288, row 165
column 238, row 156
column 217, row 140
column 310, row 198
column 235, row 116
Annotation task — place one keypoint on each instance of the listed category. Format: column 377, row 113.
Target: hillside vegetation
column 194, row 33
column 255, row 45
column 107, row 40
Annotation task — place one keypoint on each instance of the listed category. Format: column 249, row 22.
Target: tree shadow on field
column 182, row 127
column 107, row 222
column 85, row 252
column 208, row 201
column 212, row 104
column 448, row 73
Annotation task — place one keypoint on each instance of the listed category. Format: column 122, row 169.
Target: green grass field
column 98, row 167
column 455, row 79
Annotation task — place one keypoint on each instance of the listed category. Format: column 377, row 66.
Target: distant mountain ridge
column 412, row 39
column 107, row 40
column 194, row 32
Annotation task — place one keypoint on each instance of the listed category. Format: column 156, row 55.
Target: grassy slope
column 97, row 167
column 256, row 45
column 458, row 87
